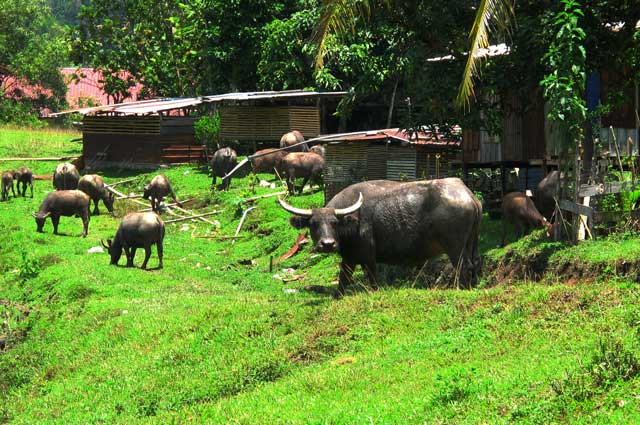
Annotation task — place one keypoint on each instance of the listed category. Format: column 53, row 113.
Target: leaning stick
column 122, row 181
column 64, row 158
column 167, row 206
column 123, row 196
column 244, row 216
column 191, row 213
column 193, row 217
column 269, row 195
column 222, row 237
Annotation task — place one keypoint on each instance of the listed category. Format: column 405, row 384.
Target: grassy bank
column 217, row 337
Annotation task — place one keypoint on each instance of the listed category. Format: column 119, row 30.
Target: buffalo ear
column 299, row 222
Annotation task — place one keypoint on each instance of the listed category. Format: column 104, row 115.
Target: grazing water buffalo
column 224, row 160
column 397, row 223
column 24, row 175
column 291, row 138
column 319, row 149
column 157, row 190
column 137, row 230
column 519, row 209
column 64, row 203
column 307, row 165
column 271, row 163
column 93, row 185
column 545, row 193
column 7, row 183
column 66, row 177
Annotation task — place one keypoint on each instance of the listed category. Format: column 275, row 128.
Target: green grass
column 215, row 338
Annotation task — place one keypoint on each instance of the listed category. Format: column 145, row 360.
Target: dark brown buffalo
column 93, row 185
column 398, row 223
column 223, row 161
column 137, row 230
column 24, row 175
column 292, row 138
column 66, row 177
column 64, row 203
column 7, row 183
column 157, row 190
column 306, row 165
column 545, row 193
column 270, row 163
column 319, row 149
column 519, row 210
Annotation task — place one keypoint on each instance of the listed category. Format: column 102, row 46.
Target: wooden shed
column 263, row 117
column 386, row 154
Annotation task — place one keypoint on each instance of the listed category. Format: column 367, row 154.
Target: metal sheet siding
column 401, row 163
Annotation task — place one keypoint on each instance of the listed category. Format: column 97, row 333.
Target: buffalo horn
column 104, row 244
column 33, row 214
column 293, row 210
column 340, row 212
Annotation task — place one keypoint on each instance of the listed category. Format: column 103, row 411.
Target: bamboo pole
column 122, row 181
column 193, row 217
column 182, row 210
column 123, row 196
column 222, row 237
column 64, row 158
column 168, row 205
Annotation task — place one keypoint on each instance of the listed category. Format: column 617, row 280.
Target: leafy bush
column 19, row 114
column 207, row 129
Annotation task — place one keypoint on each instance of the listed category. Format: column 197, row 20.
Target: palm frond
column 492, row 16
column 337, row 17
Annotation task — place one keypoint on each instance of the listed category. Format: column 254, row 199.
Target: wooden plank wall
column 345, row 164
column 376, row 161
column 511, row 141
column 267, row 123
column 178, row 125
column 121, row 125
column 401, row 163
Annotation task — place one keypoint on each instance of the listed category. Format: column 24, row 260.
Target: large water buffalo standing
column 223, row 161
column 545, row 194
column 292, row 138
column 93, row 185
column 64, row 203
column 397, row 223
column 307, row 165
column 66, row 177
column 271, row 162
column 157, row 190
column 24, row 175
column 137, row 230
column 7, row 183
column 519, row 210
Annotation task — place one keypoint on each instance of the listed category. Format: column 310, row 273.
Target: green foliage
column 564, row 85
column 207, row 129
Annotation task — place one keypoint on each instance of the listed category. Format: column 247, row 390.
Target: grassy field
column 215, row 337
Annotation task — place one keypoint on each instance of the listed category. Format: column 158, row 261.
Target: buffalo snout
column 326, row 245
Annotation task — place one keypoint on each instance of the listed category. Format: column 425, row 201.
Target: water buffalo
column 157, row 190
column 24, row 175
column 137, row 230
column 93, row 185
column 224, row 160
column 319, row 149
column 545, row 193
column 307, row 165
column 291, row 138
column 66, row 177
column 7, row 183
column 64, row 203
column 271, row 163
column 397, row 223
column 519, row 210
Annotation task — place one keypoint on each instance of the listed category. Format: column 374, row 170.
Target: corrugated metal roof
column 493, row 50
column 167, row 104
column 423, row 137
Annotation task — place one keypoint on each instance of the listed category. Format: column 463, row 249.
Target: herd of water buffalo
column 371, row 222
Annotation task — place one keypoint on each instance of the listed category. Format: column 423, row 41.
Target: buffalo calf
column 223, row 161
column 519, row 210
column 66, row 177
column 64, row 203
column 7, row 183
column 292, row 138
column 24, row 175
column 307, row 165
column 157, row 190
column 93, row 185
column 137, row 230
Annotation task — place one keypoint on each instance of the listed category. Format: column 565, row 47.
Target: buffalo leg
column 130, row 253
column 504, row 232
column 371, row 274
column 213, row 183
column 31, row 185
column 147, row 254
column 96, row 211
column 85, row 223
column 55, row 220
column 291, row 185
column 13, row 190
column 346, row 275
column 304, row 183
column 159, row 246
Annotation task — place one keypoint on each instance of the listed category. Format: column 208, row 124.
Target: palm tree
column 338, row 16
